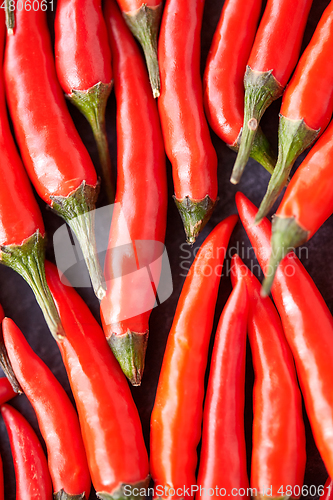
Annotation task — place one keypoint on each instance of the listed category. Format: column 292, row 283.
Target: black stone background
column 19, row 303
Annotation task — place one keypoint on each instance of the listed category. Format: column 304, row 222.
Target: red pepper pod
column 223, row 453
column 278, row 436
column 33, row 479
column 110, row 423
column 6, row 390
column 136, row 239
column 308, row 326
column 57, row 419
column 185, row 130
column 224, row 75
column 177, row 413
column 83, row 64
column 273, row 58
column 55, row 158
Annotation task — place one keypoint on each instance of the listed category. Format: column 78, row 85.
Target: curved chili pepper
column 177, row 413
column 57, row 419
column 33, row 479
column 110, row 423
column 223, row 452
column 6, row 390
column 278, row 436
column 139, row 217
column 273, row 57
column 186, row 134
column 306, row 109
column 57, row 163
column 83, row 65
column 224, row 75
column 308, row 326
column 143, row 19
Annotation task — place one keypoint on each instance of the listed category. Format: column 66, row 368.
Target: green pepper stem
column 195, row 214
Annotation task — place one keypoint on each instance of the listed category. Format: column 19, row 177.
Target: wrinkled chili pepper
column 139, row 217
column 22, row 233
column 177, row 413
column 32, row 475
column 110, row 423
column 57, row 163
column 278, row 428
column 308, row 326
column 273, row 57
column 223, row 452
column 57, row 419
column 185, row 130
column 224, row 75
column 143, row 19
column 83, row 64
column 307, row 107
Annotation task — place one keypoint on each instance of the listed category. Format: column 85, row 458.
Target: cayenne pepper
column 185, row 130
column 177, row 413
column 273, row 57
column 224, row 74
column 83, row 65
column 6, row 390
column 57, row 163
column 308, row 326
column 33, row 479
column 307, row 107
column 136, row 239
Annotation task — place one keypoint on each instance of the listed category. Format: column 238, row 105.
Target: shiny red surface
column 6, row 390
column 82, row 52
column 279, row 38
column 278, row 428
column 177, row 413
column 33, row 479
column 141, row 196
column 52, row 151
column 309, row 95
column 133, row 5
column 223, row 452
column 226, row 65
column 57, row 419
column 110, row 423
column 308, row 326
column 185, row 130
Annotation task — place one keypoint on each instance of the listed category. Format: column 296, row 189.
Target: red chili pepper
column 110, row 423
column 139, row 217
column 57, row 163
column 177, row 413
column 83, row 64
column 143, row 19
column 308, row 326
column 278, row 428
column 273, row 57
column 223, row 452
column 6, row 391
column 56, row 417
column 186, row 134
column 328, row 490
column 306, row 109
column 224, row 75
column 33, row 479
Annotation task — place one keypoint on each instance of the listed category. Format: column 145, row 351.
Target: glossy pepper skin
column 177, row 413
column 33, row 479
column 224, row 75
column 278, row 435
column 136, row 239
column 143, row 19
column 110, row 423
column 307, row 107
column 272, row 60
column 6, row 390
column 57, row 419
column 185, row 130
column 308, row 326
column 55, row 158
column 83, row 64
column 223, row 451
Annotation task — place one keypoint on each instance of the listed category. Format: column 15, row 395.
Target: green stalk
column 10, row 18
column 62, row 495
column 124, row 491
column 7, row 366
column 195, row 214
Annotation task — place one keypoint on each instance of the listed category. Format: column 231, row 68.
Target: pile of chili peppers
column 235, row 388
